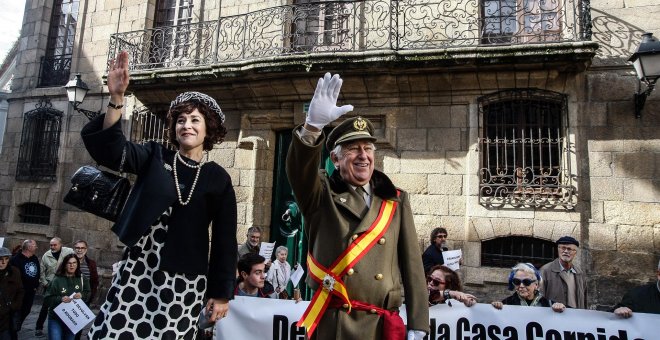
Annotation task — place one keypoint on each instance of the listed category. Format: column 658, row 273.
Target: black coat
column 186, row 249
column 643, row 299
column 432, row 256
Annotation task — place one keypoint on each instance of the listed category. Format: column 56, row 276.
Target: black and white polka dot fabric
column 147, row 303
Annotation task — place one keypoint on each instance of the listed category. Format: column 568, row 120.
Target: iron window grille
column 525, row 158
column 506, row 252
column 173, row 34
column 147, row 126
column 40, row 140
column 55, row 67
column 34, row 213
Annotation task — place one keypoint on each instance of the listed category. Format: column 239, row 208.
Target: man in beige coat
column 340, row 208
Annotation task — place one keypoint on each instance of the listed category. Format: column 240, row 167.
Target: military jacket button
column 381, row 241
column 379, row 276
column 354, row 237
column 350, row 271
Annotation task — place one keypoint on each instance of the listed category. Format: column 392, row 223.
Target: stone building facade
column 430, row 98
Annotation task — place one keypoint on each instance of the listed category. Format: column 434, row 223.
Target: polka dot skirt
column 147, row 303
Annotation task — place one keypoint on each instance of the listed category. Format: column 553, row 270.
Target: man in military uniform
column 363, row 252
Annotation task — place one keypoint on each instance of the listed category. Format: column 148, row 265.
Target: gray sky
column 11, row 18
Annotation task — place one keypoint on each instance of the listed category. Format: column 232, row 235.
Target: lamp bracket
column 88, row 113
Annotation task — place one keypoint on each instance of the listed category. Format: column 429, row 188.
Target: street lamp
column 76, row 90
column 646, row 61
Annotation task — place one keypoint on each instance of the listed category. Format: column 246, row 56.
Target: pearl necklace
column 176, row 177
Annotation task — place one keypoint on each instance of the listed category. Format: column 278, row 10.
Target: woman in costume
column 166, row 271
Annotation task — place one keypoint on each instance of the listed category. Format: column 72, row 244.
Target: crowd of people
column 363, row 261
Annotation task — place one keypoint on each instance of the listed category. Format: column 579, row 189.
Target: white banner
column 258, row 319
column 75, row 314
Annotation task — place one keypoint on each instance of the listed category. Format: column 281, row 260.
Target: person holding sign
column 363, row 252
column 68, row 281
column 280, row 273
column 525, row 279
column 444, row 284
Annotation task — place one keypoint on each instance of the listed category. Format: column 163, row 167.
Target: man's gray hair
column 26, row 244
column 337, row 150
column 56, row 239
column 254, row 229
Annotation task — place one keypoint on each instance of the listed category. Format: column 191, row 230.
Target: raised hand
column 323, row 108
column 118, row 77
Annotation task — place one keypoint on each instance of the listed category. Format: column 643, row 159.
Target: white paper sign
column 297, row 275
column 75, row 314
column 2, row 241
column 266, row 250
column 452, row 258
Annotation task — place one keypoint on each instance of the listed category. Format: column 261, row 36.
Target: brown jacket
column 333, row 214
column 554, row 287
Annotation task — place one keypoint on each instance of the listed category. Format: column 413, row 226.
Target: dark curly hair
column 61, row 270
column 215, row 129
column 452, row 281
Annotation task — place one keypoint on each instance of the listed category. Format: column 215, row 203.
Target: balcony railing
column 356, row 26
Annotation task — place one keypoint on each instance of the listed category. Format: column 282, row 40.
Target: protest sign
column 452, row 258
column 266, row 250
column 259, row 318
column 2, row 241
column 75, row 314
column 297, row 275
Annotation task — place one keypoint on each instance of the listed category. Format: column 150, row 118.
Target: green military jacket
column 334, row 213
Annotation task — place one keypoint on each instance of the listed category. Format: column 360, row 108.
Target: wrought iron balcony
column 356, row 26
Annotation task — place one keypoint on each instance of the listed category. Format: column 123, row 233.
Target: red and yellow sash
column 330, row 280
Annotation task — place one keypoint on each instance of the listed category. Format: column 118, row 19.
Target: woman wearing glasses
column 68, row 282
column 525, row 280
column 443, row 284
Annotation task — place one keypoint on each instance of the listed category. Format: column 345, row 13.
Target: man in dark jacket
column 643, row 299
column 433, row 254
column 11, row 295
column 87, row 267
column 27, row 264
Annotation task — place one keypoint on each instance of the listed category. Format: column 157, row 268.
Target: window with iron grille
column 34, row 213
column 525, row 159
column 56, row 64
column 506, row 252
column 40, row 141
column 519, row 21
column 320, row 23
column 147, row 126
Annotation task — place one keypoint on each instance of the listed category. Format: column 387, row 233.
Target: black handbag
column 99, row 192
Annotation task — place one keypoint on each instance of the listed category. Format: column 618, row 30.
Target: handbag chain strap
column 123, row 160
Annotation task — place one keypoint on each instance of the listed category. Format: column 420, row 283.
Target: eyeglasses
column 436, row 282
column 567, row 249
column 525, row 282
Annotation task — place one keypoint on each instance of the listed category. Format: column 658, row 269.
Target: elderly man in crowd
column 28, row 264
column 252, row 242
column 363, row 252
column 643, row 299
column 563, row 280
column 50, row 261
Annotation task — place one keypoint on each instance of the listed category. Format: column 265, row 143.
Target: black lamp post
column 76, row 90
column 646, row 61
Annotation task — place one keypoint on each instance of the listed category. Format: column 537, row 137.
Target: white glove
column 415, row 335
column 323, row 108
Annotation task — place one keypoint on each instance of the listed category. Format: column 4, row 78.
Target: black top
column 432, row 256
column 514, row 300
column 186, row 249
column 29, row 268
column 643, row 299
